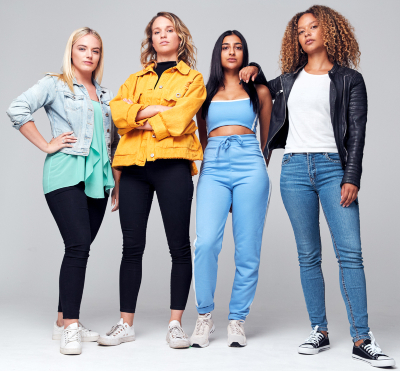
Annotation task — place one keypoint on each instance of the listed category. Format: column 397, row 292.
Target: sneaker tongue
column 367, row 341
column 73, row 326
column 174, row 323
column 121, row 321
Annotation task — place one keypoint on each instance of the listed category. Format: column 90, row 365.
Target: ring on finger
column 63, row 141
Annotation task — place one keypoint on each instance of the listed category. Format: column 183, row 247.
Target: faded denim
column 67, row 111
column 307, row 180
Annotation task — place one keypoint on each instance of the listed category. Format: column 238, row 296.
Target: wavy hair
column 338, row 35
column 186, row 52
column 67, row 74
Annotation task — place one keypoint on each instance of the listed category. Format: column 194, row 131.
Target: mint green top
column 63, row 170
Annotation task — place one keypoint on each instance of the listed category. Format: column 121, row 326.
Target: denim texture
column 233, row 173
column 308, row 179
column 67, row 111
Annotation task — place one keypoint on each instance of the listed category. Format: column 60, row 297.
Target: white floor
column 272, row 345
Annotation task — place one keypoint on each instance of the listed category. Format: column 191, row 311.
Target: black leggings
column 172, row 181
column 78, row 218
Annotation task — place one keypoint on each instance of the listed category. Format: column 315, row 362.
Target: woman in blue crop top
column 233, row 176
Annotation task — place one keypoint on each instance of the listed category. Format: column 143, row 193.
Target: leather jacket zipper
column 283, row 92
column 344, row 118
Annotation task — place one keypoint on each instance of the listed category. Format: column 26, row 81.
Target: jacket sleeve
column 124, row 114
column 357, row 120
column 114, row 134
column 260, row 79
column 275, row 86
column 39, row 95
column 178, row 120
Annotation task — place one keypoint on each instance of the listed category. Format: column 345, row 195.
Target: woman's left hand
column 247, row 73
column 349, row 194
column 115, row 198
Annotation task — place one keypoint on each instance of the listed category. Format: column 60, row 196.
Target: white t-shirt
column 310, row 125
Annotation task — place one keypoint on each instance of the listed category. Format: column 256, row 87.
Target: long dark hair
column 216, row 79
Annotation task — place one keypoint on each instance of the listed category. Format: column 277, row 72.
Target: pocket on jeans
column 286, row 158
column 332, row 157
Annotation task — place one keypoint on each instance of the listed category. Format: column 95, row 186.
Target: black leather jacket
column 348, row 101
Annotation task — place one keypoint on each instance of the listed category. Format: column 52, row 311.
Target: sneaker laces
column 237, row 327
column 177, row 332
column 72, row 335
column 315, row 337
column 373, row 348
column 201, row 324
column 84, row 329
column 116, row 328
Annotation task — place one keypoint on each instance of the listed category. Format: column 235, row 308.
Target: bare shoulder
column 262, row 92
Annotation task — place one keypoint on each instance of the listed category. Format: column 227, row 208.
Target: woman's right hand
column 65, row 140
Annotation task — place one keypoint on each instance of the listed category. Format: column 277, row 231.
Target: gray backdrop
column 34, row 34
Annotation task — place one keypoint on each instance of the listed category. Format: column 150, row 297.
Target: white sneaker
column 204, row 327
column 236, row 335
column 176, row 337
column 71, row 340
column 120, row 333
column 86, row 334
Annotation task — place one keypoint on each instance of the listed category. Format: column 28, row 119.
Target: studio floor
column 272, row 345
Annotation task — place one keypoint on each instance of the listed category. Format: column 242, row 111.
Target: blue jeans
column 306, row 179
column 233, row 173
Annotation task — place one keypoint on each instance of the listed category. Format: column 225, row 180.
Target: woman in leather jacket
column 319, row 117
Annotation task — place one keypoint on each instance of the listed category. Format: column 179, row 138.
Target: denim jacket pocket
column 73, row 105
column 286, row 158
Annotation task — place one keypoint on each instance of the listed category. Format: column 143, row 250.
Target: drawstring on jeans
column 226, row 143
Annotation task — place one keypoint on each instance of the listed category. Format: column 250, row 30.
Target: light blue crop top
column 231, row 112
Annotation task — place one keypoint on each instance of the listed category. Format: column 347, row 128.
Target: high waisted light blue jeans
column 307, row 180
column 233, row 173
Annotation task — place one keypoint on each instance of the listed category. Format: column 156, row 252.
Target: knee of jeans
column 78, row 251
column 353, row 261
column 181, row 253
column 310, row 259
column 132, row 254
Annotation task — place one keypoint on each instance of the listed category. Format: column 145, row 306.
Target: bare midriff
column 230, row 130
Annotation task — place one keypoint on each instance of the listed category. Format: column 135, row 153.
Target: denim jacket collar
column 99, row 89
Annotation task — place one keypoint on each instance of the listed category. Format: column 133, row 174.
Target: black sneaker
column 316, row 342
column 370, row 352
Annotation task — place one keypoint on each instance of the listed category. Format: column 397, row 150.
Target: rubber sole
column 383, row 363
column 70, row 351
column 235, row 344
column 83, row 339
column 195, row 345
column 312, row 351
column 113, row 342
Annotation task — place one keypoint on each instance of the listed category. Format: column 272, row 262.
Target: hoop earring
column 301, row 50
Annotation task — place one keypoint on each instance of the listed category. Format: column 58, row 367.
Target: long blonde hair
column 186, row 51
column 67, row 74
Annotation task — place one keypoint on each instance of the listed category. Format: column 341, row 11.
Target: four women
column 318, row 116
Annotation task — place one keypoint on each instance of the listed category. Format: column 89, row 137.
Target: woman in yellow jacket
column 154, row 113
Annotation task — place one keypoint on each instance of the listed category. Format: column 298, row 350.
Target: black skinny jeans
column 78, row 218
column 172, row 181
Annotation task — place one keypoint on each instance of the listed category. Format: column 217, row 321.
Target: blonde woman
column 77, row 174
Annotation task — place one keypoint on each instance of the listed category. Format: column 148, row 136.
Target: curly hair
column 338, row 35
column 186, row 52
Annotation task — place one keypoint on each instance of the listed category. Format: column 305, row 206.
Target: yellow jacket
column 173, row 134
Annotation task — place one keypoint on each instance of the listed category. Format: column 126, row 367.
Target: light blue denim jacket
column 66, row 111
